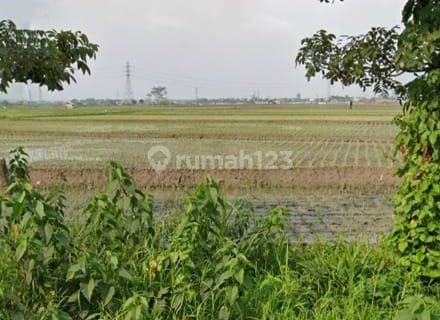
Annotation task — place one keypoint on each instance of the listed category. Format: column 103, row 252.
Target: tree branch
column 367, row 60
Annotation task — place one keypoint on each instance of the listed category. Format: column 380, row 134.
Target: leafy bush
column 377, row 60
column 213, row 259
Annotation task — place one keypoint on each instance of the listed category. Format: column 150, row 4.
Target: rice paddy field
column 338, row 182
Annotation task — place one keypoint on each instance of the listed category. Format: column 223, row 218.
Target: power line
column 207, row 81
column 141, row 72
column 130, row 72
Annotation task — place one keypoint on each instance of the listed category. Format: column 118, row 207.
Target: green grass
column 379, row 112
column 318, row 136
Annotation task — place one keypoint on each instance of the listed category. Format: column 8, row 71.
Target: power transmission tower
column 129, row 96
column 196, row 93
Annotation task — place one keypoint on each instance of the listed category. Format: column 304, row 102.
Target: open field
column 339, row 182
column 210, row 191
column 317, row 136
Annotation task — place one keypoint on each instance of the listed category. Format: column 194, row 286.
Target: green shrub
column 214, row 259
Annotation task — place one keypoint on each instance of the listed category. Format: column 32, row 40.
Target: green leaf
column 239, row 276
column 48, row 253
column 404, row 315
column 40, row 209
column 21, row 249
column 232, row 294
column 214, row 194
column 425, row 315
column 73, row 269
column 60, row 315
column 433, row 137
column 223, row 313
column 73, row 297
column 48, row 232
column 109, row 295
column 402, row 246
column 125, row 274
column 21, row 199
column 29, row 270
column 87, row 289
column 223, row 277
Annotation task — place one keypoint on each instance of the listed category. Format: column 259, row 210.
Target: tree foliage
column 48, row 58
column 377, row 59
column 158, row 93
column 365, row 60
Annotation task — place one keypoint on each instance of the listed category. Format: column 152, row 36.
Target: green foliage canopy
column 48, row 58
column 377, row 59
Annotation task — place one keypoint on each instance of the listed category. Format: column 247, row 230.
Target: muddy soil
column 369, row 179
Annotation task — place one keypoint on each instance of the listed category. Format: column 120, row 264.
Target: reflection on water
column 318, row 215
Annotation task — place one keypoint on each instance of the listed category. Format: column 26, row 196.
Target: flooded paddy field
column 330, row 167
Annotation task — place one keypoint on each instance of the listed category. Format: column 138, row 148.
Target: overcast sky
column 226, row 48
